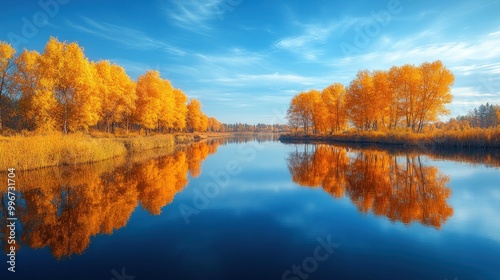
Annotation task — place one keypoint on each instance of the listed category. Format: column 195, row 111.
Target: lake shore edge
column 40, row 151
column 471, row 139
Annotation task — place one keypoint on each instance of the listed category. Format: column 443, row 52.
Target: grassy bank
column 472, row 138
column 32, row 152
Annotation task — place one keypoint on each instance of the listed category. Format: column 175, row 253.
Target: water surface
column 254, row 209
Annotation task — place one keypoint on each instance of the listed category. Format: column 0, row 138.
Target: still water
column 259, row 209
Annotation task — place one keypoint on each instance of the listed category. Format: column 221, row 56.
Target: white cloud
column 311, row 36
column 270, row 79
column 124, row 36
column 194, row 15
column 234, row 57
column 411, row 51
column 497, row 33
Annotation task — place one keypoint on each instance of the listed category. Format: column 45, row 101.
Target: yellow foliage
column 196, row 121
column 407, row 96
column 60, row 89
column 7, row 53
column 98, row 198
column 401, row 188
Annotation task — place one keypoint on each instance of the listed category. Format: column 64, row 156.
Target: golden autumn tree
column 204, row 122
column 68, row 75
column 33, row 102
column 117, row 93
column 394, row 96
column 301, row 112
column 381, row 95
column 359, row 101
column 405, row 96
column 149, row 89
column 168, row 110
column 195, row 117
column 433, row 94
column 404, row 82
column 333, row 98
column 214, row 125
column 319, row 112
column 180, row 110
column 7, row 53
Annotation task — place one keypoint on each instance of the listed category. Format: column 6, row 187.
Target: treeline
column 260, row 127
column 403, row 97
column 60, row 89
column 485, row 116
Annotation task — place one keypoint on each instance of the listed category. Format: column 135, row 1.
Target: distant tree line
column 260, row 127
column 60, row 89
column 483, row 117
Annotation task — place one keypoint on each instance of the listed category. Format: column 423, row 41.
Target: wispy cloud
column 234, row 57
column 125, row 36
column 193, row 15
column 479, row 52
column 497, row 33
column 312, row 36
column 269, row 80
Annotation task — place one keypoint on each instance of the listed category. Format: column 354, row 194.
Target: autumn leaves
column 401, row 188
column 6, row 64
column 60, row 89
column 404, row 97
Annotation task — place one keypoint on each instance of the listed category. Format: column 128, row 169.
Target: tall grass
column 471, row 138
column 38, row 151
column 141, row 143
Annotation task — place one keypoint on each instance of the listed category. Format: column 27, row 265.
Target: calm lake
column 255, row 208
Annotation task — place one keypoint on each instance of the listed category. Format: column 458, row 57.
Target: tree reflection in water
column 62, row 208
column 401, row 188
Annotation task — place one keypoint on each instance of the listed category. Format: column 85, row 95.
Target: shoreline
column 39, row 151
column 471, row 139
column 471, row 155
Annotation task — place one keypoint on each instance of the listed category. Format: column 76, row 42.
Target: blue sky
column 245, row 59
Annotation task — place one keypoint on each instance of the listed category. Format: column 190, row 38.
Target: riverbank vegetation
column 40, row 151
column 59, row 108
column 402, row 106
